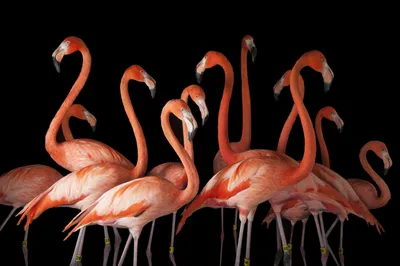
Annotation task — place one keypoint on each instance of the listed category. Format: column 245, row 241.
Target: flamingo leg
column 286, row 251
column 235, row 228
column 172, row 248
column 303, row 252
column 77, row 256
column 128, row 242
column 326, row 239
column 278, row 254
column 341, row 255
column 148, row 250
column 117, row 244
column 8, row 218
column 250, row 219
column 239, row 248
column 222, row 236
column 25, row 246
column 290, row 241
column 332, row 226
column 324, row 258
column 135, row 235
column 107, row 246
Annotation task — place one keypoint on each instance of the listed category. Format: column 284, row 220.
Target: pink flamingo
column 173, row 171
column 134, row 204
column 78, row 153
column 258, row 175
column 244, row 143
column 20, row 185
column 365, row 190
column 323, row 171
column 81, row 188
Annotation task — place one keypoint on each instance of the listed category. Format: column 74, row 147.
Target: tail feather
column 78, row 217
column 34, row 208
column 195, row 205
column 362, row 211
column 84, row 219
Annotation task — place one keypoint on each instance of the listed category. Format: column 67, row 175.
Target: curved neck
column 321, row 141
column 65, row 127
column 142, row 155
column 186, row 143
column 192, row 187
column 383, row 187
column 298, row 173
column 51, row 142
column 245, row 140
column 287, row 127
column 228, row 155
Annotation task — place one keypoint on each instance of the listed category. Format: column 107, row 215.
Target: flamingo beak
column 327, row 75
column 191, row 124
column 56, row 64
column 203, row 110
column 339, row 123
column 278, row 88
column 151, row 83
column 91, row 120
column 200, row 68
column 58, row 55
column 387, row 162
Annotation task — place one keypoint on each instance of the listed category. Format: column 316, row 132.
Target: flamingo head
column 198, row 96
column 248, row 42
column 380, row 149
column 330, row 113
column 68, row 46
column 318, row 62
column 137, row 73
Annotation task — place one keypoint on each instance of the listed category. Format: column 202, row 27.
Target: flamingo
column 175, row 172
column 244, row 143
column 324, row 172
column 256, row 176
column 325, row 193
column 20, row 185
column 134, row 204
column 82, row 187
column 365, row 190
column 78, row 153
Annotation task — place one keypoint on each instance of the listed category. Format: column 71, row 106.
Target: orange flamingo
column 323, row 171
column 134, row 204
column 81, row 188
column 365, row 190
column 78, row 153
column 175, row 172
column 245, row 140
column 20, row 185
column 258, row 175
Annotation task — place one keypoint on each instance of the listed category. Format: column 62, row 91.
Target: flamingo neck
column 192, row 187
column 52, row 146
column 304, row 168
column 228, row 155
column 245, row 140
column 287, row 127
column 186, row 143
column 321, row 141
column 385, row 196
column 142, row 154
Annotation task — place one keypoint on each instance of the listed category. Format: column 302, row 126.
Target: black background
column 361, row 52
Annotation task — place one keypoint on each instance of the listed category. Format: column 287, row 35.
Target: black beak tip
column 276, row 96
column 192, row 134
column 327, row 86
column 253, row 52
column 94, row 128
column 340, row 130
column 153, row 92
column 385, row 171
column 56, row 64
column 204, row 120
column 199, row 77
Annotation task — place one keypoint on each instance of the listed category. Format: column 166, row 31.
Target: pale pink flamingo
column 244, row 143
column 323, row 171
column 256, row 176
column 81, row 188
column 134, row 204
column 20, row 185
column 78, row 153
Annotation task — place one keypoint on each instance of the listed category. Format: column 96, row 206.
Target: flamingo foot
column 172, row 256
column 324, row 258
column 278, row 257
column 117, row 244
column 341, row 256
column 286, row 259
column 149, row 256
column 25, row 251
column 77, row 261
column 107, row 249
